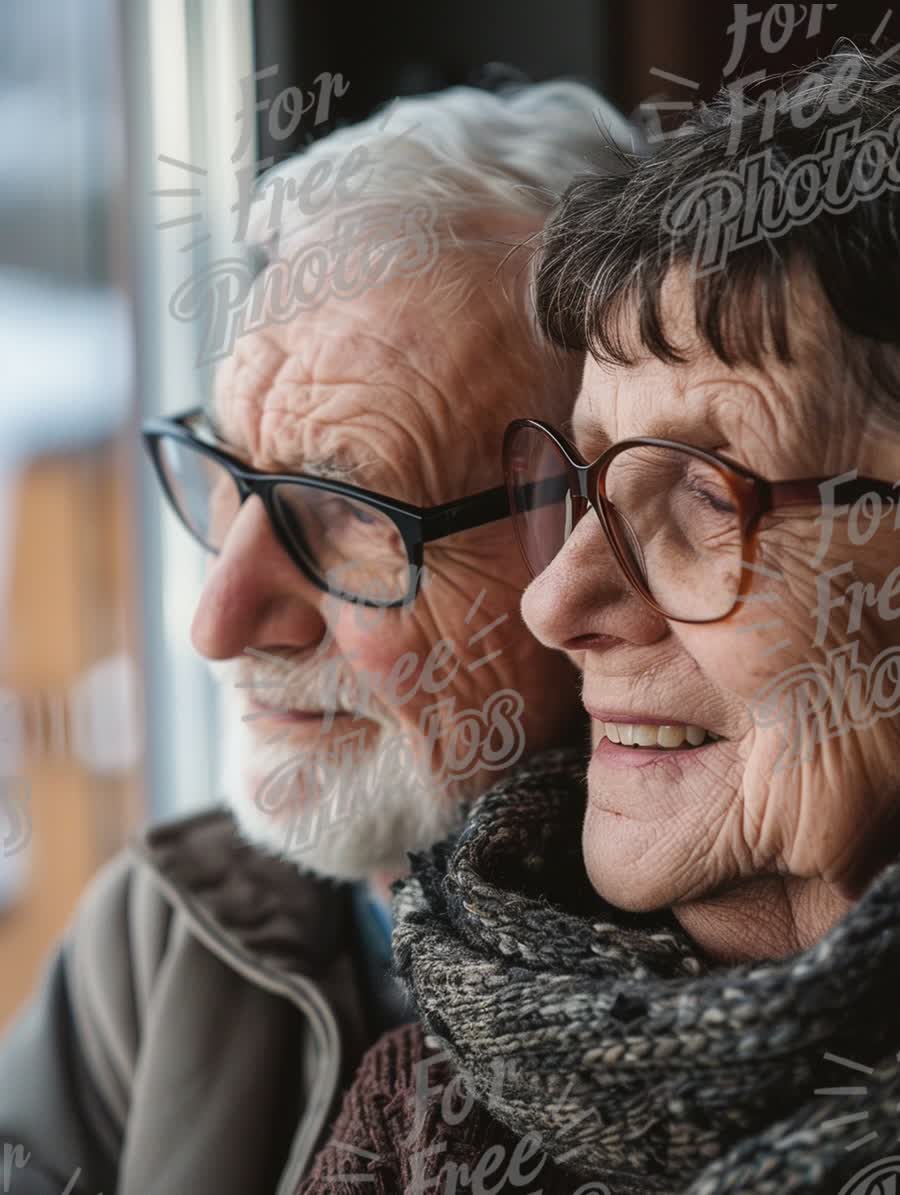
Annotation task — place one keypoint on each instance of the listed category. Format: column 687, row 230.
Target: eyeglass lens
column 350, row 546
column 673, row 515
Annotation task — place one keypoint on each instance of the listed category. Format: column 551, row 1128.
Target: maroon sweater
column 409, row 1127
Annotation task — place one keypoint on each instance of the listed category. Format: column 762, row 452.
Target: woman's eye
column 719, row 501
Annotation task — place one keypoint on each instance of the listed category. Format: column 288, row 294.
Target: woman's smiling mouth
column 669, row 735
column 642, row 733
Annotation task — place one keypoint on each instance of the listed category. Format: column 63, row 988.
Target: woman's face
column 664, row 825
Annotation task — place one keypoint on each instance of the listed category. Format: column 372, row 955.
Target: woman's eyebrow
column 692, row 428
column 683, row 430
column 588, row 429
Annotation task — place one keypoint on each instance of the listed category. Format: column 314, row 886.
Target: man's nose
column 254, row 595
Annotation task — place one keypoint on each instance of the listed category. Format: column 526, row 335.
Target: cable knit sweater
column 407, row 1125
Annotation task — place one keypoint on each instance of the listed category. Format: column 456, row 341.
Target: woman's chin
column 641, row 851
column 616, row 853
column 656, row 821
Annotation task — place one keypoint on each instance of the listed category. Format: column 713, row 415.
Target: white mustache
column 326, row 685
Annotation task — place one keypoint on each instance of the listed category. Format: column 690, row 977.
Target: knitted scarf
column 641, row 1065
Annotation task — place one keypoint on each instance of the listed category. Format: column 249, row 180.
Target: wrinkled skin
column 410, row 387
column 756, row 861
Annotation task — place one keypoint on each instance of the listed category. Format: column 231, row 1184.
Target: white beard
column 362, row 819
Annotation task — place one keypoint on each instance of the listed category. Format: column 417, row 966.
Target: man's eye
column 363, row 515
column 346, row 511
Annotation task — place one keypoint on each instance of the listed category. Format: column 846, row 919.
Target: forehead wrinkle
column 421, row 404
column 261, row 371
column 399, row 377
column 772, row 414
column 395, row 468
column 637, row 401
column 613, row 399
column 330, row 466
column 334, row 360
column 761, row 419
column 241, row 385
column 303, row 448
column 428, row 413
column 447, row 383
column 785, row 390
column 463, row 366
column 299, row 437
column 414, row 471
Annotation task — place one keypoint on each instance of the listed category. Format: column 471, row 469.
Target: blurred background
column 119, row 159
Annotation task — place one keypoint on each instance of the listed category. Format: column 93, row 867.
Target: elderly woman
column 688, row 981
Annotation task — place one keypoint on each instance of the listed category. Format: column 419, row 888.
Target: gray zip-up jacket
column 193, row 1031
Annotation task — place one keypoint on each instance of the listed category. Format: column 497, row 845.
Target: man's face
column 407, row 396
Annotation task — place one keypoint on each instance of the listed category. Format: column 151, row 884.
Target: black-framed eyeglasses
column 682, row 522
column 353, row 543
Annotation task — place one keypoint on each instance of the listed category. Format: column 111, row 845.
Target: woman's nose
column 584, row 594
column 254, row 595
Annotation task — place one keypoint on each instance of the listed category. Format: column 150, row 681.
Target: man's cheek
column 402, row 676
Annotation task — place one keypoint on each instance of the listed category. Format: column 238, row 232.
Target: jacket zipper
column 304, row 994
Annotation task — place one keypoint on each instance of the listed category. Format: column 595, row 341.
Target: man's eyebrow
column 329, row 466
column 209, row 413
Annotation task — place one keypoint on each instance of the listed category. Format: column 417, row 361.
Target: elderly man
column 216, row 991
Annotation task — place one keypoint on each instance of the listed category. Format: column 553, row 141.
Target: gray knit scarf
column 640, row 1064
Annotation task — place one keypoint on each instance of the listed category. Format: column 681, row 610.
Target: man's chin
column 373, row 841
column 368, row 820
column 374, row 834
column 363, row 818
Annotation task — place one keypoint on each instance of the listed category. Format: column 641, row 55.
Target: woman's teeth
column 631, row 734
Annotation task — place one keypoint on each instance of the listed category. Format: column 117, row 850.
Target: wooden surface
column 72, row 604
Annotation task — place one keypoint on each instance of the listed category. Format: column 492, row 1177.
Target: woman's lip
column 633, row 719
column 616, row 755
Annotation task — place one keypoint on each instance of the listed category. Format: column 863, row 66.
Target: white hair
column 463, row 151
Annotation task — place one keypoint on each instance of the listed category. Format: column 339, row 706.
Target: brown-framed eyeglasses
column 682, row 522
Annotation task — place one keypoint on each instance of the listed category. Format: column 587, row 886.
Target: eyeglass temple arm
column 491, row 505
column 809, row 491
column 475, row 511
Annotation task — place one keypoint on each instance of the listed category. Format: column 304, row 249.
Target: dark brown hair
column 615, row 237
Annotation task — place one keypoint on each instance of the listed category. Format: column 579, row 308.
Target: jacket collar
column 262, row 906
column 288, row 933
